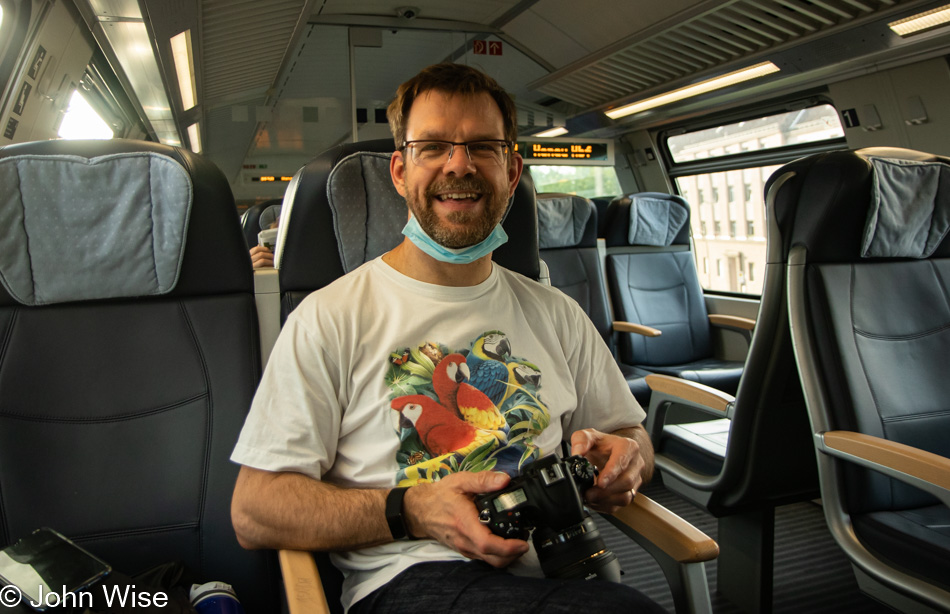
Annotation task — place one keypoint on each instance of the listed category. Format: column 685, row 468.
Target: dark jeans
column 458, row 587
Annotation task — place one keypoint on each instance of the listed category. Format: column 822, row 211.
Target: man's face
column 459, row 203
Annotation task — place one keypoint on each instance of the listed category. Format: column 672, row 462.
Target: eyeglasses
column 433, row 154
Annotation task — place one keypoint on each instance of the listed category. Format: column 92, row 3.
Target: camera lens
column 578, row 552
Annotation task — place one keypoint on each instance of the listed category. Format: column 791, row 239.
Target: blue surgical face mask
column 465, row 255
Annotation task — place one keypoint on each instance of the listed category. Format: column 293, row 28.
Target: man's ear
column 397, row 170
column 514, row 172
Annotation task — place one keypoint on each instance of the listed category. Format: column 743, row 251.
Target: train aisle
column 811, row 573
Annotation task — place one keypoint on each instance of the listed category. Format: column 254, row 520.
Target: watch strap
column 394, row 516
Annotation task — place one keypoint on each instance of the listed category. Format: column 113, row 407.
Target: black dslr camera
column 545, row 502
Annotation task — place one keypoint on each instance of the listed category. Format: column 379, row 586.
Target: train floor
column 811, row 573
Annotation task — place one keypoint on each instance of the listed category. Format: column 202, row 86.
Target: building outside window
column 693, row 161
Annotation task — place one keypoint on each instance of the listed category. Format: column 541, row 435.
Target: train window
column 587, row 181
column 818, row 123
column 82, row 122
column 732, row 162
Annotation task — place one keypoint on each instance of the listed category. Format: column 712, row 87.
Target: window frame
column 760, row 157
column 746, row 159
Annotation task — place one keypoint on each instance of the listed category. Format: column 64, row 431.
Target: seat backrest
column 865, row 235
column 259, row 217
column 653, row 280
column 128, row 357
column 770, row 457
column 567, row 237
column 342, row 210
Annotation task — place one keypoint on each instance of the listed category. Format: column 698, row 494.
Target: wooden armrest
column 683, row 542
column 690, row 391
column 640, row 329
column 913, row 461
column 302, row 583
column 725, row 321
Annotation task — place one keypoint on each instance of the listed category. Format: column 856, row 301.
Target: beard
column 476, row 225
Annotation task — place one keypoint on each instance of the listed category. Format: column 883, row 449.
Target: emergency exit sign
column 486, row 47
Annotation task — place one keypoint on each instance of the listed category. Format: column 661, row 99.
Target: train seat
column 653, row 284
column 865, row 237
column 128, row 357
column 567, row 229
column 259, row 217
column 341, row 210
column 740, row 456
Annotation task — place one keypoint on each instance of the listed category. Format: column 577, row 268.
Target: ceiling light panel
column 709, row 85
column 184, row 68
column 720, row 34
column 921, row 22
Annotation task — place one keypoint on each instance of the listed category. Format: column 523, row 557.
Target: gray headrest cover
column 910, row 209
column 561, row 220
column 368, row 212
column 655, row 221
column 74, row 228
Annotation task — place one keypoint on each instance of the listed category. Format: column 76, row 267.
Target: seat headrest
column 880, row 202
column 910, row 208
column 566, row 220
column 648, row 218
column 57, row 245
column 91, row 220
column 368, row 212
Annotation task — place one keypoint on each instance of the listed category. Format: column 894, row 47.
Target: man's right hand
column 445, row 511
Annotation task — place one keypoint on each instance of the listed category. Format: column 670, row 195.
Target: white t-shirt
column 380, row 380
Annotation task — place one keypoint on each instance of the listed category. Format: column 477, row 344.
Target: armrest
column 677, row 538
column 694, row 393
column 640, row 329
column 736, row 322
column 302, row 583
column 928, row 471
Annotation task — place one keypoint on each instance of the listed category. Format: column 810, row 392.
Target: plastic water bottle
column 215, row 598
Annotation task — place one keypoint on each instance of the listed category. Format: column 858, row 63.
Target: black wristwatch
column 394, row 516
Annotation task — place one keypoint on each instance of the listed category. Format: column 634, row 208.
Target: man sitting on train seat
column 262, row 254
column 428, row 375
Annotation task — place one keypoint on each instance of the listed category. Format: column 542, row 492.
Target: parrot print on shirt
column 469, row 409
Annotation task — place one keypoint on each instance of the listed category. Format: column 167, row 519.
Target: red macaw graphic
column 440, row 430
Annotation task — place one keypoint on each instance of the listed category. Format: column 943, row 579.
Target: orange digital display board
column 555, row 150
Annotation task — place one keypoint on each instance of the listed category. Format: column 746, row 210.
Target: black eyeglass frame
column 454, row 144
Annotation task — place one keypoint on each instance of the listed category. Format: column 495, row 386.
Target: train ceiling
column 264, row 68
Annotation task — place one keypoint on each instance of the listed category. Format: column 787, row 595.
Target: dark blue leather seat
column 567, row 227
column 737, row 456
column 125, row 378
column 865, row 235
column 653, row 282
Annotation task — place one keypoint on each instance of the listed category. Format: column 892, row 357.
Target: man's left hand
column 620, row 463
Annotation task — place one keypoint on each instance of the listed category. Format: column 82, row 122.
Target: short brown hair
column 451, row 79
